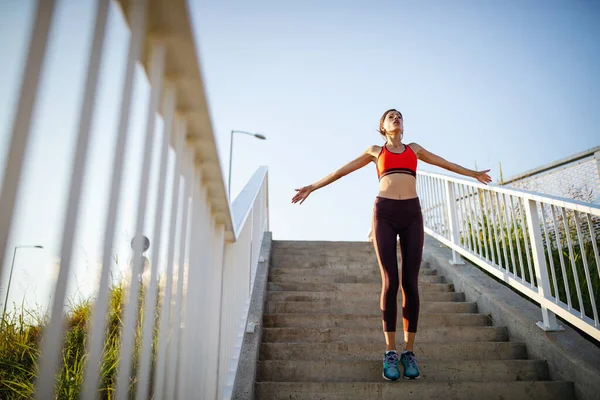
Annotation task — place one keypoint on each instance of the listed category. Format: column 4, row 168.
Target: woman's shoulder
column 414, row 146
column 374, row 150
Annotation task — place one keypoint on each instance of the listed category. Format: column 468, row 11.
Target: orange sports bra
column 396, row 163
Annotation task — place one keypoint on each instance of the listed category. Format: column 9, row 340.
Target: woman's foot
column 390, row 366
column 411, row 368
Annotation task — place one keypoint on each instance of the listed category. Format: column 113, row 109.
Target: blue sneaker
column 390, row 366
column 409, row 362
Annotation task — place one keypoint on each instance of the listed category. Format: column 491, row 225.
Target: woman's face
column 393, row 122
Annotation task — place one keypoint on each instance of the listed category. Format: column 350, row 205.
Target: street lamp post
column 256, row 135
column 11, row 272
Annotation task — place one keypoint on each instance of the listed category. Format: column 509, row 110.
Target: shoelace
column 392, row 358
column 412, row 361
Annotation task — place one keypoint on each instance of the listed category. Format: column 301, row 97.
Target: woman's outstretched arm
column 434, row 159
column 359, row 162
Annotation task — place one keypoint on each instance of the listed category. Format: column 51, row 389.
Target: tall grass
column 20, row 336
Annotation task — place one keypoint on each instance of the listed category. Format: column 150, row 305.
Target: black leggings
column 391, row 218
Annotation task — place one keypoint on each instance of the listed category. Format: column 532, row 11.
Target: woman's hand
column 302, row 194
column 482, row 176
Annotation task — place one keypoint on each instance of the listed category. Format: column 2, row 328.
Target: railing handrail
column 242, row 205
column 183, row 65
column 558, row 201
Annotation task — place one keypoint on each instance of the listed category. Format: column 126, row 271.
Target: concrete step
column 369, row 321
column 340, row 269
column 418, row 390
column 354, row 296
column 432, row 370
column 362, row 335
column 350, row 287
column 361, row 307
column 312, row 259
column 342, row 278
column 318, row 245
column 374, row 351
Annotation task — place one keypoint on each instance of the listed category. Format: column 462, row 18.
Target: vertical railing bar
column 514, row 220
column 433, row 217
column 560, row 256
column 150, row 299
column 51, row 342
column 473, row 207
column 444, row 209
column 586, row 269
column 215, row 314
column 487, row 214
column 482, row 207
column 175, row 328
column 222, row 319
column 594, row 245
column 78, row 173
column 467, row 238
column 550, row 258
column 548, row 322
column 463, row 214
column 513, row 260
column 438, row 214
column 165, row 313
column 190, row 313
column 22, row 122
column 130, row 312
column 473, row 229
column 96, row 330
column 525, row 237
column 495, row 228
column 572, row 258
column 468, row 209
column 502, row 236
column 428, row 200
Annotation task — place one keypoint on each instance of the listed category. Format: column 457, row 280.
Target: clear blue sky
column 477, row 81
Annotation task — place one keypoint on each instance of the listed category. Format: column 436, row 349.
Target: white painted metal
column 515, row 229
column 130, row 313
column 151, row 294
column 174, row 327
column 550, row 258
column 562, row 261
column 166, row 308
column 453, row 228
column 548, row 322
column 203, row 313
column 509, row 216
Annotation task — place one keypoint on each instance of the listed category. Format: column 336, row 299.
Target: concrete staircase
column 322, row 335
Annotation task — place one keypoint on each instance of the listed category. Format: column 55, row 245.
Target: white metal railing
column 545, row 247
column 191, row 351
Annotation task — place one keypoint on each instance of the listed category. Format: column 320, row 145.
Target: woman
column 397, row 212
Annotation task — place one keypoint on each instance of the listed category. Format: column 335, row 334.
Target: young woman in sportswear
column 396, row 212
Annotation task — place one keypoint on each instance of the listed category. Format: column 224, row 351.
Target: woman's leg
column 384, row 241
column 411, row 246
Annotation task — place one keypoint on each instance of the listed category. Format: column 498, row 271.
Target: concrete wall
column 577, row 176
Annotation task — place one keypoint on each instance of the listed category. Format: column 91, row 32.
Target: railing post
column 454, row 233
column 539, row 263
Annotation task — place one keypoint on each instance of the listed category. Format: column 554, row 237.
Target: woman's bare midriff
column 398, row 187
